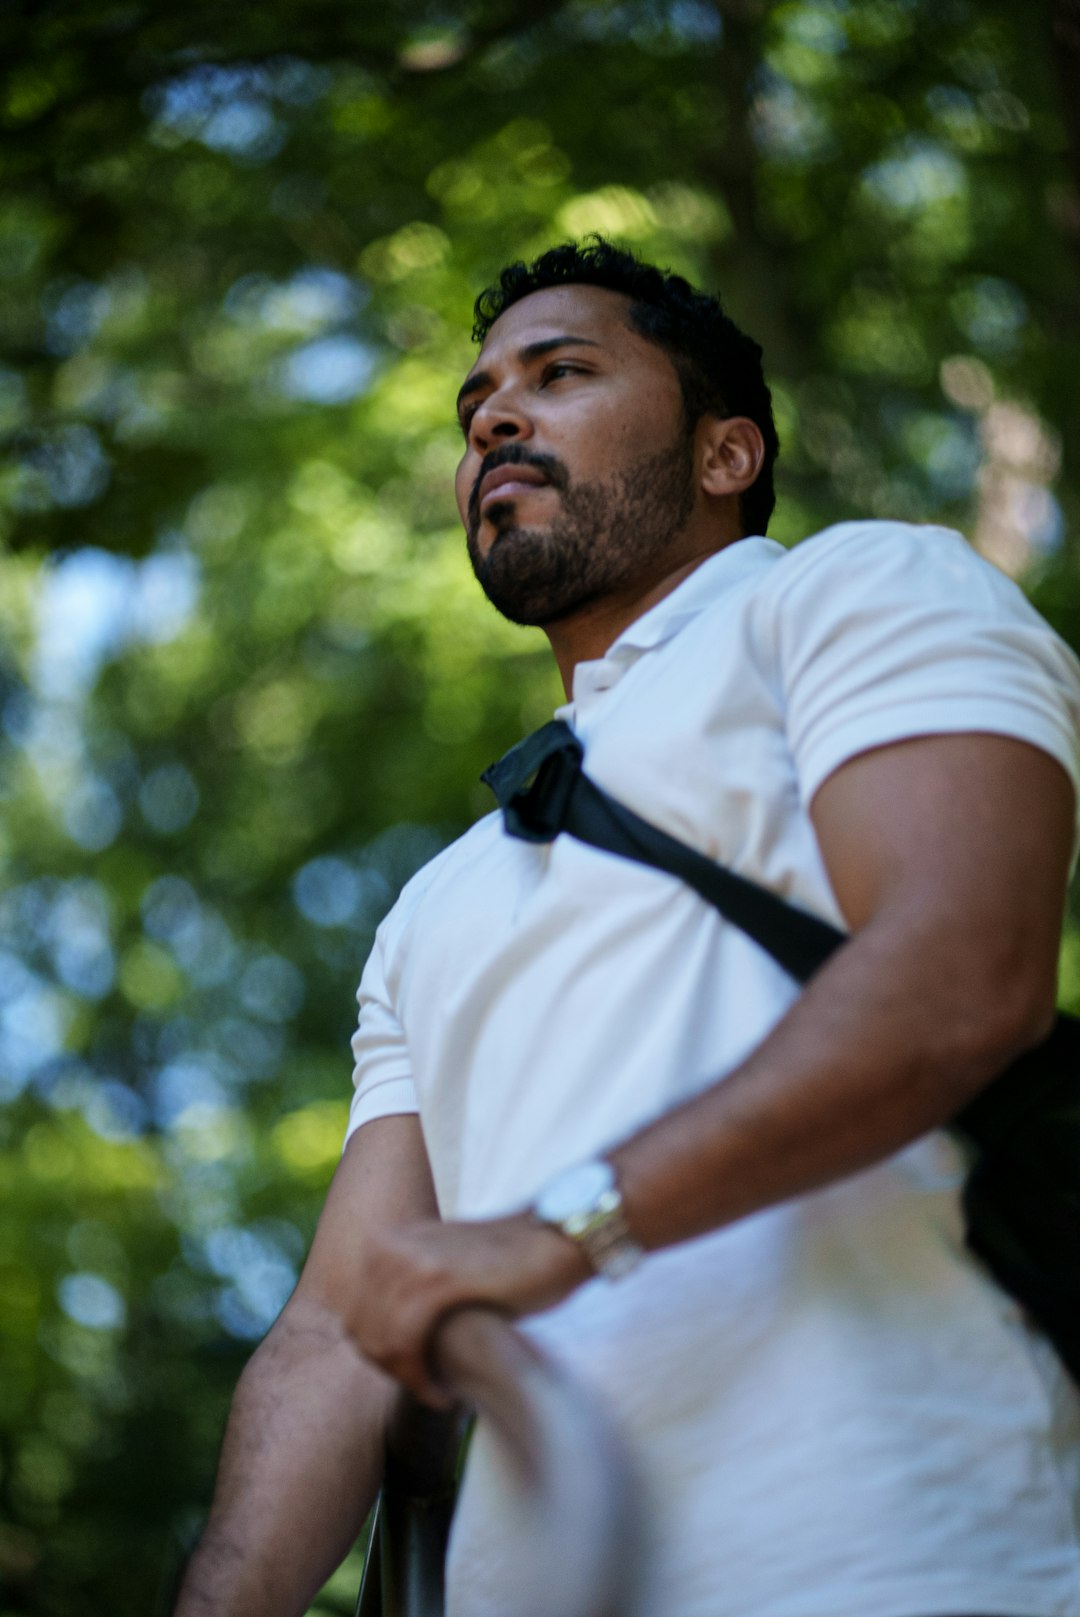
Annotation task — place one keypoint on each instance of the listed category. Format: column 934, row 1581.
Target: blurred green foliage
column 247, row 681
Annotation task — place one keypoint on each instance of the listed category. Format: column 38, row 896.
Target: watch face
column 574, row 1191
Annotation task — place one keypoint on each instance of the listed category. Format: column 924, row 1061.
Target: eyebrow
column 531, row 351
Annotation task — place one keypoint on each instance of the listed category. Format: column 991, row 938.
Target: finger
column 435, row 1397
column 416, row 1376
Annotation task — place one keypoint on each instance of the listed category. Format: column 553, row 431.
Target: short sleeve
column 885, row 631
column 382, row 1074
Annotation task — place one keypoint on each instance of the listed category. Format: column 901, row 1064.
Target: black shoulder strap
column 542, row 790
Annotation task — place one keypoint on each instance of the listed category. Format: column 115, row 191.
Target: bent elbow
column 1010, row 1013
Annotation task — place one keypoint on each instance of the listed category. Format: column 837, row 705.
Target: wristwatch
column 584, row 1203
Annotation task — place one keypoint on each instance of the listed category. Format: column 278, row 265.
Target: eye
column 550, row 373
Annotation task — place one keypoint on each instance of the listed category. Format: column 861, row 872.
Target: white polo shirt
column 835, row 1412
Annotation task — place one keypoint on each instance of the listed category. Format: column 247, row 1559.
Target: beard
column 604, row 537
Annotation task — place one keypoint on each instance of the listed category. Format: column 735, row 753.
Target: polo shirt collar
column 707, row 584
column 709, row 581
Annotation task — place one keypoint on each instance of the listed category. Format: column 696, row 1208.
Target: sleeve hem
column 825, row 757
column 394, row 1098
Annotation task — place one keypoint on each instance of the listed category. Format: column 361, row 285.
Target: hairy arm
column 303, row 1450
column 949, row 857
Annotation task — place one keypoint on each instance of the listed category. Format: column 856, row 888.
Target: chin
column 533, row 605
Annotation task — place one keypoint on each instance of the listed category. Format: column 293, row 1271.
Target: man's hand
column 413, row 1275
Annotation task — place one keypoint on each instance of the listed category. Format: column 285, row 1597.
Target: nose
column 500, row 418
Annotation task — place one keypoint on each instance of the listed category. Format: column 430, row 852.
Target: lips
column 509, row 481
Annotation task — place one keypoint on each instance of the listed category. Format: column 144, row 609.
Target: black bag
column 1021, row 1198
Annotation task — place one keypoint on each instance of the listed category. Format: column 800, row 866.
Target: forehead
column 570, row 311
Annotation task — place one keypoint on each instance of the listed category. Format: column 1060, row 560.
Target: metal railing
column 580, row 1538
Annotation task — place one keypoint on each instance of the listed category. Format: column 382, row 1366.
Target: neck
column 588, row 634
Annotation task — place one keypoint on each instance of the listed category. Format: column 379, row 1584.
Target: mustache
column 515, row 455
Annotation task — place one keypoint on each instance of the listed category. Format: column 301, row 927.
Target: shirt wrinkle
column 834, row 1408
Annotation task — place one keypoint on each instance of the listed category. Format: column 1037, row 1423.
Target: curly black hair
column 718, row 365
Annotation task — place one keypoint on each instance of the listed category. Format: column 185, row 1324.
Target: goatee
column 605, row 535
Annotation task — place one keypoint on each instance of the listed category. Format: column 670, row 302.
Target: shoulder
column 858, row 557
column 456, row 856
column 909, row 578
column 874, row 632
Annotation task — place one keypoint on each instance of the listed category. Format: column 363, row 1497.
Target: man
column 837, row 1413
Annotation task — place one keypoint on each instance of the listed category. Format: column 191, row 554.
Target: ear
column 732, row 451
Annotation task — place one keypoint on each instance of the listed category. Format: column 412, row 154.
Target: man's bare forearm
column 299, row 1469
column 883, row 1046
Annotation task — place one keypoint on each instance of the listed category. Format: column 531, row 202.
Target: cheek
column 614, row 434
column 463, row 481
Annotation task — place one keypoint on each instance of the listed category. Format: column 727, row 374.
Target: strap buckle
column 533, row 782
